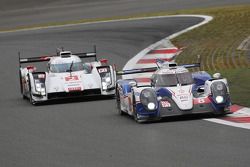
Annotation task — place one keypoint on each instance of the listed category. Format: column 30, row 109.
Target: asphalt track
column 90, row 133
column 14, row 13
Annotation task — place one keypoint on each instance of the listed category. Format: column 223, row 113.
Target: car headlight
column 219, row 92
column 148, row 99
column 104, row 86
column 151, row 106
column 40, row 88
column 219, row 99
column 106, row 81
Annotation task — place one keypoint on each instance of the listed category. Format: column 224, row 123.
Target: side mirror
column 133, row 83
column 217, row 76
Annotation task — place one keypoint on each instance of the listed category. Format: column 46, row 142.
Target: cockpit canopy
column 65, row 63
column 168, row 80
column 66, row 67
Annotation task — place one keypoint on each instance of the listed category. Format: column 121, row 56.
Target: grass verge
column 217, row 44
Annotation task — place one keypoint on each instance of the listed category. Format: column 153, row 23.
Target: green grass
column 239, row 83
column 217, row 44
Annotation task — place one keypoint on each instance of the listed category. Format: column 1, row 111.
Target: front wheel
column 32, row 101
column 135, row 115
column 118, row 103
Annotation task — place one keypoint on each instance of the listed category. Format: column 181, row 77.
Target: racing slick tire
column 32, row 101
column 118, row 103
column 21, row 83
column 135, row 115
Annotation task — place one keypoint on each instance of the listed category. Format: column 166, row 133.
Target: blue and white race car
column 172, row 91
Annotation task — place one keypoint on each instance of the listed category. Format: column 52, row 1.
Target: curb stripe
column 152, row 61
column 237, row 119
column 235, row 108
column 163, row 51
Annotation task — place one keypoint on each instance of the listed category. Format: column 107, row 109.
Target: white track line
column 95, row 22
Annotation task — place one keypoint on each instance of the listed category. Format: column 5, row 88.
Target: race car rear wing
column 48, row 57
column 191, row 65
column 136, row 71
column 152, row 69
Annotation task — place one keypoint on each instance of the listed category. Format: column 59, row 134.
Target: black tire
column 21, row 83
column 32, row 101
column 135, row 116
column 118, row 103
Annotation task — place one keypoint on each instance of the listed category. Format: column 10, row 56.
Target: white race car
column 66, row 76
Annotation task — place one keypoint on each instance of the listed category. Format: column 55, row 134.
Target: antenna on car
column 95, row 52
column 199, row 61
column 159, row 61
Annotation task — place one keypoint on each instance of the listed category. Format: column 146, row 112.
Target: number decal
column 165, row 104
column 201, row 100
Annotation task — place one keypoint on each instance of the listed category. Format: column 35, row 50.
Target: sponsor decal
column 165, row 104
column 183, row 97
column 72, row 78
column 102, row 70
column 181, row 91
column 71, row 89
column 201, row 100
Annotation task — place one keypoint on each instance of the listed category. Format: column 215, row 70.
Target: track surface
column 91, row 133
column 28, row 12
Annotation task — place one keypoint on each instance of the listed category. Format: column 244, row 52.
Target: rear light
column 31, row 68
column 104, row 61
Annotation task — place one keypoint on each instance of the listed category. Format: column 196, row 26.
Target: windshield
column 167, row 80
column 185, row 78
column 60, row 68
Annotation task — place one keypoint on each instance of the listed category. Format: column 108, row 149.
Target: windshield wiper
column 70, row 68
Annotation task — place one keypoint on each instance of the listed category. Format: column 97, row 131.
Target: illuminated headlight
column 104, row 86
column 151, row 106
column 219, row 99
column 108, row 80
column 148, row 99
column 43, row 91
column 38, row 87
